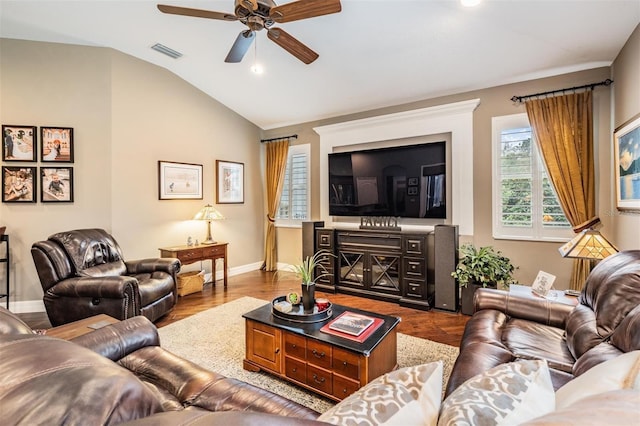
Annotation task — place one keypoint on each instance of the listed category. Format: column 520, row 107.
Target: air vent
column 166, row 50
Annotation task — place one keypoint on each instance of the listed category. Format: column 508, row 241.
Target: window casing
column 525, row 204
column 295, row 199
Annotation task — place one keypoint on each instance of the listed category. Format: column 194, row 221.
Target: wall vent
column 166, row 50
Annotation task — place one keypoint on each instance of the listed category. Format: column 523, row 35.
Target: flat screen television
column 405, row 181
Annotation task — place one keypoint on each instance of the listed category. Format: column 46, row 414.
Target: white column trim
column 455, row 118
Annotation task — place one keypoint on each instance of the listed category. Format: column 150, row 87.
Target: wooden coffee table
column 331, row 366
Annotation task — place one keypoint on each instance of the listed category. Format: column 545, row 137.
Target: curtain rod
column 591, row 86
column 277, row 139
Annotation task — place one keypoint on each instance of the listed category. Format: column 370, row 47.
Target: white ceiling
column 373, row 54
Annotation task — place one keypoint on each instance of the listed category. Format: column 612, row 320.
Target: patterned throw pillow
column 508, row 394
column 407, row 396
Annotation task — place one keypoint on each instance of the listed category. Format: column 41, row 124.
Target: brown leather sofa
column 83, row 273
column 605, row 323
column 118, row 374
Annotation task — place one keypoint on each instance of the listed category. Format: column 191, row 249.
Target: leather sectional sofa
column 119, row 373
column 506, row 327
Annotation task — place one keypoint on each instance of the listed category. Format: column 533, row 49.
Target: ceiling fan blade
column 292, row 45
column 303, row 9
column 240, row 46
column 198, row 13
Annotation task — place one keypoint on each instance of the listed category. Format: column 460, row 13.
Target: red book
column 352, row 326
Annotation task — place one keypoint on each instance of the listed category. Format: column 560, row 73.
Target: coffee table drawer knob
column 318, row 354
column 318, row 381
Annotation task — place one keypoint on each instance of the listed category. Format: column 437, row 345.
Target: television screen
column 406, row 181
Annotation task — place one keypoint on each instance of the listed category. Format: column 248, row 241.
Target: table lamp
column 208, row 213
column 588, row 244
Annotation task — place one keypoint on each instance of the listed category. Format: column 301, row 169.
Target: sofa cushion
column 63, row 383
column 408, row 396
column 508, row 394
column 622, row 372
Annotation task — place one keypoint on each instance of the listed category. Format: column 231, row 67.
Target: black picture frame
column 56, row 144
column 56, row 184
column 19, row 143
column 19, row 184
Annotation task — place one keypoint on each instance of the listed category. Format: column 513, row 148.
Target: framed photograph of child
column 18, row 184
column 19, row 143
column 56, row 184
column 57, row 144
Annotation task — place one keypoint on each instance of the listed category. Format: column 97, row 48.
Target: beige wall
column 126, row 114
column 626, row 89
column 530, row 257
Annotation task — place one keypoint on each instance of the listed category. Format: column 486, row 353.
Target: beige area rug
column 215, row 339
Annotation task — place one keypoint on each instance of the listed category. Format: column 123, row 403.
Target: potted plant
column 481, row 267
column 306, row 271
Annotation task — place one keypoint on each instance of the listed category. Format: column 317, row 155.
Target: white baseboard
column 27, row 306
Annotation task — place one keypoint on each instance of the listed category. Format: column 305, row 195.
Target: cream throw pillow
column 622, row 372
column 508, row 394
column 404, row 397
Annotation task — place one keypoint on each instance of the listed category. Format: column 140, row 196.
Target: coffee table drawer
column 343, row 387
column 318, row 353
column 295, row 345
column 319, row 379
column 295, row 369
column 346, row 363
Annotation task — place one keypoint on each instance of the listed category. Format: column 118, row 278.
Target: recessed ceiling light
column 470, row 3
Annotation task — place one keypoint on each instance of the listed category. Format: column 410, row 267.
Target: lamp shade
column 588, row 244
column 208, row 212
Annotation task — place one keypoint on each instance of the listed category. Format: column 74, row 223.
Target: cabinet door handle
column 345, row 363
column 277, row 350
column 315, row 379
column 317, row 355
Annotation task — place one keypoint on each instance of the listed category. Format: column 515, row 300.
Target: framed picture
column 19, row 143
column 56, row 184
column 18, row 184
column 230, row 182
column 627, row 165
column 179, row 181
column 57, row 144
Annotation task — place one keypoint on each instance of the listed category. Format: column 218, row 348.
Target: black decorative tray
column 298, row 314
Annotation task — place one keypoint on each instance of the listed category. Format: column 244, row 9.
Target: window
column 294, row 201
column 525, row 204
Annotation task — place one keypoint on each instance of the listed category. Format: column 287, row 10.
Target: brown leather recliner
column 119, row 373
column 83, row 273
column 605, row 324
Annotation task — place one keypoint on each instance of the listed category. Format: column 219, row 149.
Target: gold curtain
column 563, row 129
column 276, row 165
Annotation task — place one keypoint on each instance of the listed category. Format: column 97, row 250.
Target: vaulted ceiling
column 374, row 53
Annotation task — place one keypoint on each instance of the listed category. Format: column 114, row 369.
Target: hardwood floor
column 434, row 325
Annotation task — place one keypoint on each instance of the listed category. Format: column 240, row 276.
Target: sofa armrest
column 189, row 384
column 116, row 287
column 164, row 264
column 531, row 308
column 120, row 339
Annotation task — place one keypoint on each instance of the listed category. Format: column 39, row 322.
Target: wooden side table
column 80, row 327
column 191, row 254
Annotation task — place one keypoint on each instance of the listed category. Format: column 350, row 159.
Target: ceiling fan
column 262, row 14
